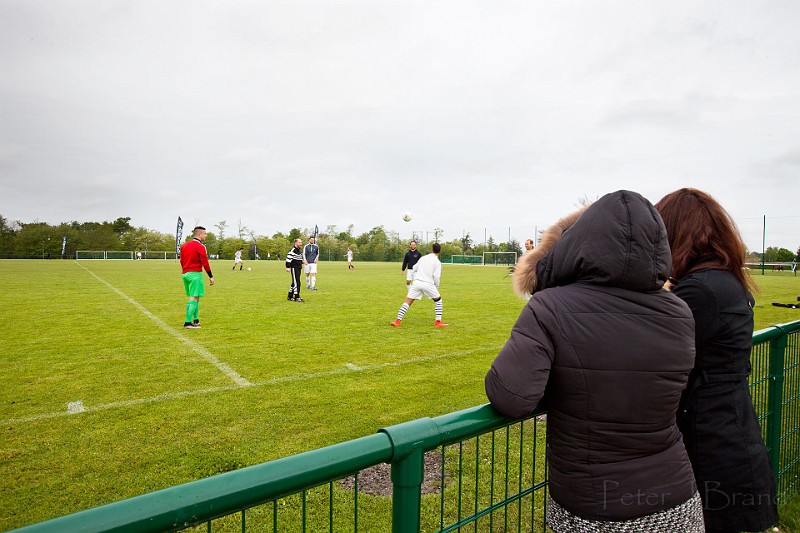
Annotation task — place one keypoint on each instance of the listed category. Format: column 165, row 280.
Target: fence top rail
column 177, row 507
column 773, row 332
column 430, row 433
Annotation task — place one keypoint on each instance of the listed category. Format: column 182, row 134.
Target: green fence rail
column 472, row 468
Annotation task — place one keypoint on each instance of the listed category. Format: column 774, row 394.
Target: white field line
column 205, row 354
column 75, row 407
column 348, row 368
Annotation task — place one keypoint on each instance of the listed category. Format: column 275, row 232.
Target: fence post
column 407, row 477
column 777, row 350
column 410, row 441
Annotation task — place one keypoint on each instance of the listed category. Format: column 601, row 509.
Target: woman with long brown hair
column 716, row 415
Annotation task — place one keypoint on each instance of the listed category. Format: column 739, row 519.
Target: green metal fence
column 775, row 388
column 471, row 470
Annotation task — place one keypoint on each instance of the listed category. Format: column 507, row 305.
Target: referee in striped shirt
column 294, row 265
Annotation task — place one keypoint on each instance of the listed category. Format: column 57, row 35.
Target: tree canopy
column 38, row 239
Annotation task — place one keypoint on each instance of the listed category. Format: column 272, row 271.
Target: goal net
column 500, row 258
column 466, row 260
column 103, row 254
column 155, row 254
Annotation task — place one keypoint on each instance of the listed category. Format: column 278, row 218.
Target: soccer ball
column 407, row 216
column 249, row 269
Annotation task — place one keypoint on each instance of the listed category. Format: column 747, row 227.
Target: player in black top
column 411, row 258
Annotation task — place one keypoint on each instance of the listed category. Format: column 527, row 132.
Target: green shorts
column 193, row 283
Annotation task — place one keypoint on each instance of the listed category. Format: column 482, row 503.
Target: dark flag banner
column 316, row 232
column 178, row 236
column 63, row 246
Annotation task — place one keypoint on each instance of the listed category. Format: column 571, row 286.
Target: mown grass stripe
column 274, row 381
column 202, row 352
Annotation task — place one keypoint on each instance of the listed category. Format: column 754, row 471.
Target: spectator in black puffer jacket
column 610, row 351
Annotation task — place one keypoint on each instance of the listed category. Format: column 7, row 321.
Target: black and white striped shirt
column 294, row 259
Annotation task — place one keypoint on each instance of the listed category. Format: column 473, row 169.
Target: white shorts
column 418, row 289
column 311, row 268
column 409, row 274
column 235, row 261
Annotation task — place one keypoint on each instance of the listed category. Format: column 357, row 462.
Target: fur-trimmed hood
column 619, row 241
column 524, row 277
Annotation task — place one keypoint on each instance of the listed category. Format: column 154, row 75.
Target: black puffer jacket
column 613, row 351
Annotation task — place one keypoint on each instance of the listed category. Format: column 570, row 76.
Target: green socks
column 192, row 309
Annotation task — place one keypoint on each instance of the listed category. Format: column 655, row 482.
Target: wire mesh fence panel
column 492, row 482
column 788, row 474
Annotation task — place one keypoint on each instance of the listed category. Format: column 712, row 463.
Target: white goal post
column 160, row 254
column 103, row 254
column 500, row 258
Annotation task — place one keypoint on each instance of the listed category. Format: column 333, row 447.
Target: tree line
column 42, row 240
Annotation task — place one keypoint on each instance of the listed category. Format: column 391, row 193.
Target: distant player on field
column 350, row 259
column 294, row 263
column 310, row 257
column 237, row 259
column 427, row 274
column 194, row 259
column 411, row 258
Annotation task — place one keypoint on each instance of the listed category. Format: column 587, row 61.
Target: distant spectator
column 528, row 245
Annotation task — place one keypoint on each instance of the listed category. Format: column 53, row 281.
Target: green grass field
column 106, row 396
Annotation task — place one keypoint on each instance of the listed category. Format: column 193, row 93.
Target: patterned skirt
column 684, row 518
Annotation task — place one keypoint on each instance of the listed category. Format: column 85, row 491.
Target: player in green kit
column 194, row 259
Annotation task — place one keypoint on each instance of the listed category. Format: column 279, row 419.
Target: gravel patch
column 377, row 481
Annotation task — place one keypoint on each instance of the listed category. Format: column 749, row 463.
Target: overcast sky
column 470, row 114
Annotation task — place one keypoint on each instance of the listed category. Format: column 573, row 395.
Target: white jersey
column 237, row 258
column 428, row 270
column 349, row 255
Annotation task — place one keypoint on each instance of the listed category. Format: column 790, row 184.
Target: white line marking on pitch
column 205, row 354
column 274, row 381
column 75, row 407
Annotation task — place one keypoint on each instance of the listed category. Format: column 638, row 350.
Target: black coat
column 717, row 418
column 613, row 351
column 411, row 258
